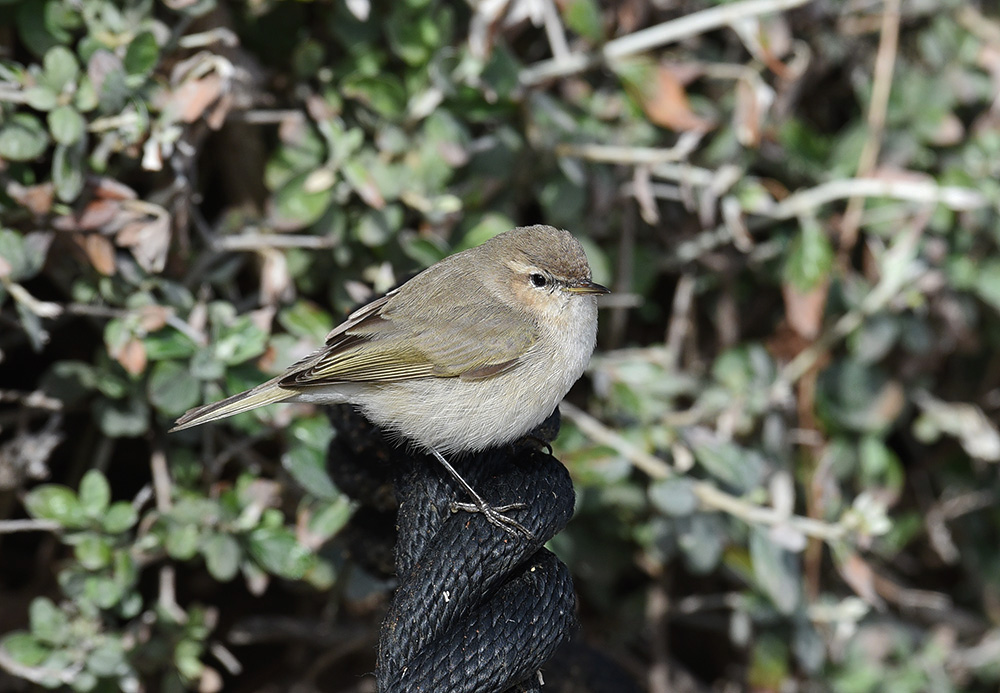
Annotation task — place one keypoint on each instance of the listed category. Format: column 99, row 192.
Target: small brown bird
column 474, row 352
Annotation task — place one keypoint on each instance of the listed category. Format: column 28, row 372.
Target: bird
column 472, row 353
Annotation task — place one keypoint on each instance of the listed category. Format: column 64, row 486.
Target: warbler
column 472, row 353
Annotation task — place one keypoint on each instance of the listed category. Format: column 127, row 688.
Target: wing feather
column 394, row 339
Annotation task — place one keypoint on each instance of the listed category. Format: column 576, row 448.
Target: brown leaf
column 99, row 251
column 861, row 578
column 110, row 189
column 5, row 268
column 96, row 215
column 748, row 114
column 149, row 241
column 153, row 318
column 804, row 311
column 36, row 198
column 190, row 100
column 132, row 356
column 666, row 103
column 216, row 117
column 275, row 280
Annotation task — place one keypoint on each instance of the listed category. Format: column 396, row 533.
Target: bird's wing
column 390, row 340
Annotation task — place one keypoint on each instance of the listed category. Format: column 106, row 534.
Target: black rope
column 478, row 609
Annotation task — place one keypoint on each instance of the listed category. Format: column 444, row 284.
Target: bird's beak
column 587, row 287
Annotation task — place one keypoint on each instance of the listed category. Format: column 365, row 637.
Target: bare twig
column 35, row 399
column 554, row 30
column 709, row 496
column 40, row 675
column 602, row 435
column 679, row 320
column 927, row 192
column 12, row 526
column 885, row 60
column 614, row 154
column 655, row 36
column 162, row 490
column 657, row 617
column 260, row 241
column 806, row 201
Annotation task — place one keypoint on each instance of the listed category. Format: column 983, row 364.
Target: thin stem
column 710, row 497
column 653, row 37
column 885, row 60
column 12, row 526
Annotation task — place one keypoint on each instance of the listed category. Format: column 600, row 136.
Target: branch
column 709, row 496
column 11, row 526
column 653, row 37
column 885, row 61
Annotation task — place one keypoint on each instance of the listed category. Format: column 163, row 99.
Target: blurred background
column 785, row 449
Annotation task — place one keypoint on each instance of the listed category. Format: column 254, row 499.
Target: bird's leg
column 493, row 514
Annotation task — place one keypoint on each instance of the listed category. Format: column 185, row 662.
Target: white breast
column 452, row 415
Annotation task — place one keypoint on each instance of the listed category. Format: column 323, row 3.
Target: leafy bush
column 785, row 449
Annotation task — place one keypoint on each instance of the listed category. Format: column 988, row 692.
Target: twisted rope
column 477, row 610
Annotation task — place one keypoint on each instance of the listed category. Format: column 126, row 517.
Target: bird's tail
column 265, row 393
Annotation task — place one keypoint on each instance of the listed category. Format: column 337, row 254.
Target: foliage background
column 785, row 450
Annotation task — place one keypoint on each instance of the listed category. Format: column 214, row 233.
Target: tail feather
column 265, row 393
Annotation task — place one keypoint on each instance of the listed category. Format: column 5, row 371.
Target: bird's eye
column 537, row 279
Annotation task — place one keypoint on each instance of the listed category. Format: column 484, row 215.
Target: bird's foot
column 494, row 514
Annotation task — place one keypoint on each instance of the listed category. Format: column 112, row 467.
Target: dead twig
column 653, row 37
column 885, row 60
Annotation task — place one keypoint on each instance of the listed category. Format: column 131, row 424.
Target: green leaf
column 68, row 170
column 49, row 623
column 987, row 283
column 142, row 54
column 206, row 365
column 95, row 493
column 23, row 138
column 55, row 502
column 66, row 124
column 108, row 658
column 167, row 344
column 60, row 68
column 102, row 591
column 776, row 570
column 329, row 518
column 809, row 258
column 240, row 341
column 41, row 98
column 187, row 659
column 42, row 25
column 68, row 381
column 307, row 466
column 277, row 551
column 383, row 93
column 584, row 17
column 25, row 649
column 701, row 538
column 489, row 225
column 296, row 207
column 172, row 389
column 121, row 517
column 412, row 36
column 122, row 418
column 24, row 254
column 222, row 556
column 306, row 320
column 738, row 467
column 93, row 551
column 674, row 496
column 182, row 541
